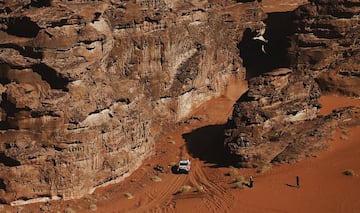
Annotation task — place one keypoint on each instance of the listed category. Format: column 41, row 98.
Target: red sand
column 323, row 186
column 281, row 6
column 330, row 102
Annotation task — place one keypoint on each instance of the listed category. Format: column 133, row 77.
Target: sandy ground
column 323, row 186
column 281, row 6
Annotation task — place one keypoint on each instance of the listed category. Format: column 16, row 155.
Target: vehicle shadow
column 175, row 170
column 207, row 144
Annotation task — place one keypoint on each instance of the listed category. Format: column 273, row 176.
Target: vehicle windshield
column 183, row 163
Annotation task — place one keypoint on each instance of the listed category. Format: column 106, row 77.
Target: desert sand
column 323, row 186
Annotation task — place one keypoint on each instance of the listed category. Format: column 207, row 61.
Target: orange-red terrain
column 323, row 186
column 211, row 184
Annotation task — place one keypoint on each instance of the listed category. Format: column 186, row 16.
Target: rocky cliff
column 326, row 44
column 87, row 85
column 277, row 120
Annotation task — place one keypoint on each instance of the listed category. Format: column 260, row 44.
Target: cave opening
column 2, row 185
column 40, row 3
column 8, row 106
column 11, row 110
column 24, row 51
column 7, row 161
column 22, row 27
column 4, row 70
column 263, row 53
column 51, row 76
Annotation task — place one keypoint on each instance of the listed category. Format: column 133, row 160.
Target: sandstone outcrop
column 272, row 108
column 277, row 120
column 86, row 85
column 326, row 44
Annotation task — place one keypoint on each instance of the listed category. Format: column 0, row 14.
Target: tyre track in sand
column 216, row 198
column 160, row 199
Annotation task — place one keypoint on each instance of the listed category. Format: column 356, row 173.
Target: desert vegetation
column 349, row 172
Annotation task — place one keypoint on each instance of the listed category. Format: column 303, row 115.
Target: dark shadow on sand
column 291, row 185
column 207, row 144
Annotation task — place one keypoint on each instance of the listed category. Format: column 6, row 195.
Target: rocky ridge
column 326, row 44
column 277, row 120
column 87, row 85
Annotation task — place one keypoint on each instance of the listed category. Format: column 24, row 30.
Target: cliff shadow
column 207, row 144
column 261, row 54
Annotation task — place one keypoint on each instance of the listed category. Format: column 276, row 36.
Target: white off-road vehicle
column 184, row 166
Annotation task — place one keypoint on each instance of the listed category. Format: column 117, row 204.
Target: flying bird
column 260, row 37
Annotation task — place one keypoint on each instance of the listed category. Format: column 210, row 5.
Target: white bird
column 261, row 31
column 263, row 49
column 260, row 38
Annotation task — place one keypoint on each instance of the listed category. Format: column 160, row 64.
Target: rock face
column 277, row 120
column 327, row 44
column 273, row 107
column 86, row 85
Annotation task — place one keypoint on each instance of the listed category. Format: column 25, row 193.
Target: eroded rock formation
column 86, row 84
column 277, row 120
column 327, row 44
column 271, row 108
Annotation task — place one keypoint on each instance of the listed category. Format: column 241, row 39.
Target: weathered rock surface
column 326, row 44
column 273, row 105
column 277, row 120
column 86, row 84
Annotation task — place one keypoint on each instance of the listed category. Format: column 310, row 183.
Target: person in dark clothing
column 251, row 181
column 297, row 181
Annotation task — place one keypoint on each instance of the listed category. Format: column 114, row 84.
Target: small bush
column 128, row 195
column 344, row 137
column 349, row 172
column 239, row 185
column 200, row 188
column 344, row 132
column 69, row 210
column 93, row 207
column 184, row 188
column 264, row 168
column 233, row 171
column 156, row 178
column 240, row 179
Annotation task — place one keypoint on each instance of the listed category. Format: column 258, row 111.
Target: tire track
column 216, row 198
column 161, row 200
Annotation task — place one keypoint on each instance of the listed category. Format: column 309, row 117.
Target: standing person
column 251, row 180
column 297, row 181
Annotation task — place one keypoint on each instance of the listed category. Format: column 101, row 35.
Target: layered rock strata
column 327, row 44
column 273, row 105
column 277, row 120
column 86, row 84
